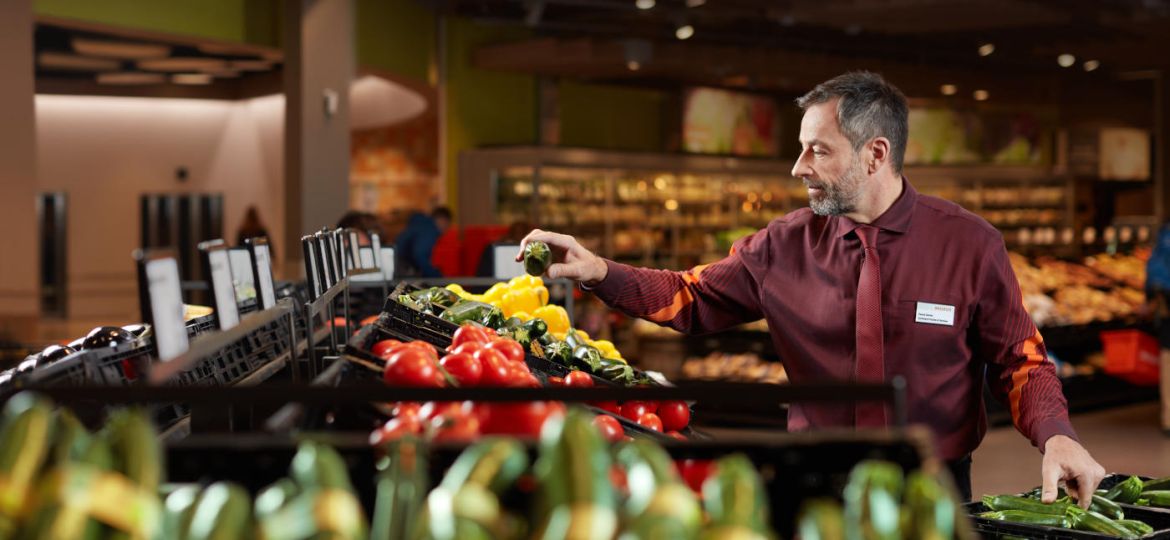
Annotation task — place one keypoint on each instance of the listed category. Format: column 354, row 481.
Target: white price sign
column 166, row 307
column 266, row 292
column 226, row 309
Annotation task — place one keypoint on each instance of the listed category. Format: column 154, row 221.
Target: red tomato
column 463, row 367
column 467, row 347
column 521, row 419
column 469, row 333
column 553, row 380
column 496, row 369
column 424, row 347
column 610, row 406
column 433, row 409
column 463, row 428
column 627, row 438
column 383, row 348
column 410, row 366
column 609, row 427
column 676, row 435
column 650, row 421
column 407, row 424
column 338, row 322
column 617, row 477
column 675, row 415
column 634, row 410
column 512, row 350
column 529, row 380
column 368, row 320
column 406, row 407
column 579, row 379
column 694, row 472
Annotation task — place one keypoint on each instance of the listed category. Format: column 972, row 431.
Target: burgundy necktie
column 870, row 366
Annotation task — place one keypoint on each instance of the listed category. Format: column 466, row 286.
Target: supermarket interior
column 598, row 269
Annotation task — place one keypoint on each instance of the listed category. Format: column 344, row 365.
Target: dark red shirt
column 800, row 274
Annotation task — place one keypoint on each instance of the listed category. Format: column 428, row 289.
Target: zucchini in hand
column 537, row 258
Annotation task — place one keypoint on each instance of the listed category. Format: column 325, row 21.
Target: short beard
column 838, row 198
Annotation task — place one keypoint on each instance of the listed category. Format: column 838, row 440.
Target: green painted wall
column 611, row 117
column 250, row 21
column 484, row 108
column 396, row 36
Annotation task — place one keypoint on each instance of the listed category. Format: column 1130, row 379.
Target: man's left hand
column 1066, row 460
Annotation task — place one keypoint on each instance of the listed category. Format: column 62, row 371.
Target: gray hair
column 870, row 107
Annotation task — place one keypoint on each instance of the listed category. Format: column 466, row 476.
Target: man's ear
column 879, row 154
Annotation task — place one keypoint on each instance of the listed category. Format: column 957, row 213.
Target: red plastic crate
column 1131, row 355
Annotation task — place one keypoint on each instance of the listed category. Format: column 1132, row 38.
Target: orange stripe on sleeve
column 682, row 298
column 1032, row 360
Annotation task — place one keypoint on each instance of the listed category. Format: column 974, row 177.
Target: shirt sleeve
column 706, row 298
column 1019, row 372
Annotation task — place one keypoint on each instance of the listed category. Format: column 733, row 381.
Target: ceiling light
column 189, row 63
column 1091, row 65
column 52, row 60
column 191, row 78
column 981, row 95
column 130, row 77
column 644, row 4
column 949, row 89
column 250, row 65
column 684, row 32
column 986, row 49
column 671, row 205
column 1066, row 60
column 695, row 3
column 120, row 49
column 633, row 65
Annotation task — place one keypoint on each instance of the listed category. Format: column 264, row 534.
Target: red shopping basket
column 1131, row 355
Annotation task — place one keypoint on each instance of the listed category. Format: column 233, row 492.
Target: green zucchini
column 26, row 425
column 1106, row 507
column 655, row 527
column 1088, row 520
column 471, row 311
column 559, row 352
column 436, row 296
column 573, row 339
column 1029, row 518
column 273, row 498
column 618, row 372
column 1157, row 498
column 493, row 463
column 70, row 438
column 537, row 328
column 1012, row 502
column 179, row 510
column 135, row 446
column 1156, row 484
column 1127, row 491
column 934, row 511
column 821, row 519
column 872, row 496
column 734, row 495
column 402, row 488
column 1137, row 527
column 537, row 258
column 320, row 513
column 587, row 358
column 572, row 470
column 223, row 512
column 547, row 339
column 319, row 466
column 655, row 489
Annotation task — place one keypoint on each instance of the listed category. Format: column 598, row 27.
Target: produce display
column 479, row 356
column 881, row 503
column 1104, row 288
column 519, row 309
column 1105, row 514
column 746, row 367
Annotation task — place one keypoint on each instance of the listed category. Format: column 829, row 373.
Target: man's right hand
column 570, row 259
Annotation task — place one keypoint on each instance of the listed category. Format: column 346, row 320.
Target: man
column 1158, row 295
column 416, row 243
column 873, row 281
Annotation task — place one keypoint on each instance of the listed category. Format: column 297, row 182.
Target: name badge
column 928, row 313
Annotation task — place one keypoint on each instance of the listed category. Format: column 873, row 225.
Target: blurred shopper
column 1158, row 291
column 253, row 227
column 416, row 243
column 871, row 282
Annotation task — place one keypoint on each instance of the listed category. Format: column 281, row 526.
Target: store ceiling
column 778, row 44
column 82, row 58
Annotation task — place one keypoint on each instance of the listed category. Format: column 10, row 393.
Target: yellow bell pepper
column 455, row 288
column 519, row 300
column 555, row 317
column 525, row 280
column 522, row 315
column 606, row 348
column 542, row 293
column 495, row 293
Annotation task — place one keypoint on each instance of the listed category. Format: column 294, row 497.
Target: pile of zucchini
column 575, row 496
column 882, row 504
column 1104, row 516
column 533, row 335
column 1154, row 492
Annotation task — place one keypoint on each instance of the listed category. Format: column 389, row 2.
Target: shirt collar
column 896, row 218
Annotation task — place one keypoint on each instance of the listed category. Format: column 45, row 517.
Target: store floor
column 1123, row 439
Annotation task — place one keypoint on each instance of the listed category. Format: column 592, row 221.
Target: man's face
column 828, row 166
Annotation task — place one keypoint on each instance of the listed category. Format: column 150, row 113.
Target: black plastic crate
column 239, row 360
column 992, row 529
column 200, row 325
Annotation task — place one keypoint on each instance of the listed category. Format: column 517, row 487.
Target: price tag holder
column 243, row 277
column 355, row 255
column 387, row 263
column 262, row 265
column 504, row 264
column 312, row 266
column 217, row 267
column 326, row 255
column 161, row 300
column 338, row 253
